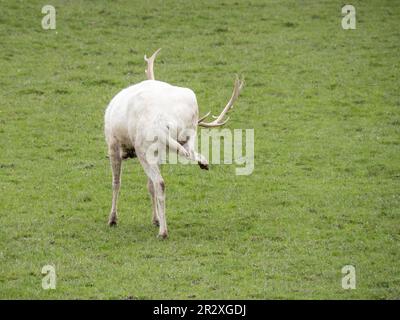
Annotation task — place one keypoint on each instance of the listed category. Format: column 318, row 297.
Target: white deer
column 151, row 109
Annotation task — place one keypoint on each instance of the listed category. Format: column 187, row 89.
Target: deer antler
column 218, row 120
column 150, row 65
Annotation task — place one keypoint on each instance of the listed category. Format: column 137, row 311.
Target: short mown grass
column 324, row 104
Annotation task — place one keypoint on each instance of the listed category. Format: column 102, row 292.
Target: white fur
column 147, row 109
column 155, row 114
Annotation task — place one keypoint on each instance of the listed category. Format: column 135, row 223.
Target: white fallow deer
column 156, row 109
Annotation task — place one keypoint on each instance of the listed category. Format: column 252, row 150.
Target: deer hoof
column 156, row 223
column 163, row 236
column 112, row 223
column 203, row 166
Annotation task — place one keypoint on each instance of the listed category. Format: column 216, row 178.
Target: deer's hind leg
column 152, row 171
column 150, row 187
column 115, row 161
column 193, row 155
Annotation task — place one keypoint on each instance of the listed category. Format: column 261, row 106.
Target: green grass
column 324, row 103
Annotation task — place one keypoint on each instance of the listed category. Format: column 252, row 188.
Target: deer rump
column 149, row 112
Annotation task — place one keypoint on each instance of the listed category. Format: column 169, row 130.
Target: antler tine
column 205, row 116
column 219, row 120
column 150, row 65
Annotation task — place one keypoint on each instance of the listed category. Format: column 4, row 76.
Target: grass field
column 324, row 104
